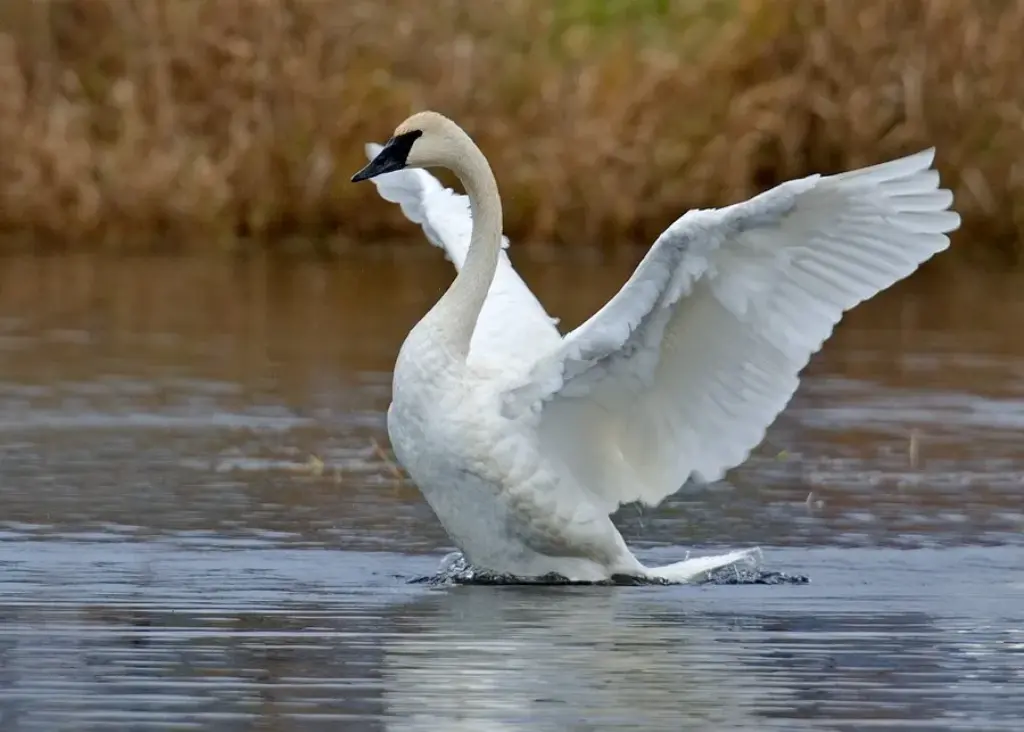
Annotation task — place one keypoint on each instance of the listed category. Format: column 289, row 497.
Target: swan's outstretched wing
column 681, row 373
column 513, row 326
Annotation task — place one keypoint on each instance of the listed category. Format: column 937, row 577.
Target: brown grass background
column 211, row 124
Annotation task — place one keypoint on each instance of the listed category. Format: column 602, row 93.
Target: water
column 201, row 527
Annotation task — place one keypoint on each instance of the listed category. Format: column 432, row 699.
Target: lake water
column 201, row 526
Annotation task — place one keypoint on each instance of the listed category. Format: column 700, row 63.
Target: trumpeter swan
column 524, row 441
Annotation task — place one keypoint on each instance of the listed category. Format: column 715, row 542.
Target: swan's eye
column 402, row 143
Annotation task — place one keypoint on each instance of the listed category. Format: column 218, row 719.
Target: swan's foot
column 455, row 570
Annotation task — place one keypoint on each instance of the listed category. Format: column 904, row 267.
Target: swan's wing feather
column 513, row 325
column 682, row 372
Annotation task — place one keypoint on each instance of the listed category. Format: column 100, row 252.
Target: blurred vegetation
column 131, row 124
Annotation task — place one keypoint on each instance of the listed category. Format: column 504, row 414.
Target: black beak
column 393, row 156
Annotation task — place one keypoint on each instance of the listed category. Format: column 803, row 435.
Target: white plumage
column 677, row 377
column 513, row 325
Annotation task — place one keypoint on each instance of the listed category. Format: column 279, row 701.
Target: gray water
column 201, row 526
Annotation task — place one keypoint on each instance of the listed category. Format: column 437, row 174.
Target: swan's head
column 424, row 140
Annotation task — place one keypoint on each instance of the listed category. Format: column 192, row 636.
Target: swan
column 524, row 441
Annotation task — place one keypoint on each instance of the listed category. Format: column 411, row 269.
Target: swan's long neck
column 459, row 308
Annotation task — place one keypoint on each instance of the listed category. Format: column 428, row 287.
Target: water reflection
column 219, row 637
column 475, row 658
column 545, row 659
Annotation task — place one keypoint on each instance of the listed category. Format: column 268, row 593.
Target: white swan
column 524, row 442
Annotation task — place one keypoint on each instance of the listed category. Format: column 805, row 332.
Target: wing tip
column 900, row 168
column 927, row 156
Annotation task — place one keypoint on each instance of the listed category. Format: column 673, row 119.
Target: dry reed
column 131, row 124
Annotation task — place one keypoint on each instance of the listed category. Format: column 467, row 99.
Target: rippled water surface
column 201, row 526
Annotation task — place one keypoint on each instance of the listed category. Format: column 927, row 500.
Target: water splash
column 455, row 570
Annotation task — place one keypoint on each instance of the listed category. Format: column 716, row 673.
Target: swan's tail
column 689, row 570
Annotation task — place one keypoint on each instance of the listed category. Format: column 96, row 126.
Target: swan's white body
column 524, row 442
